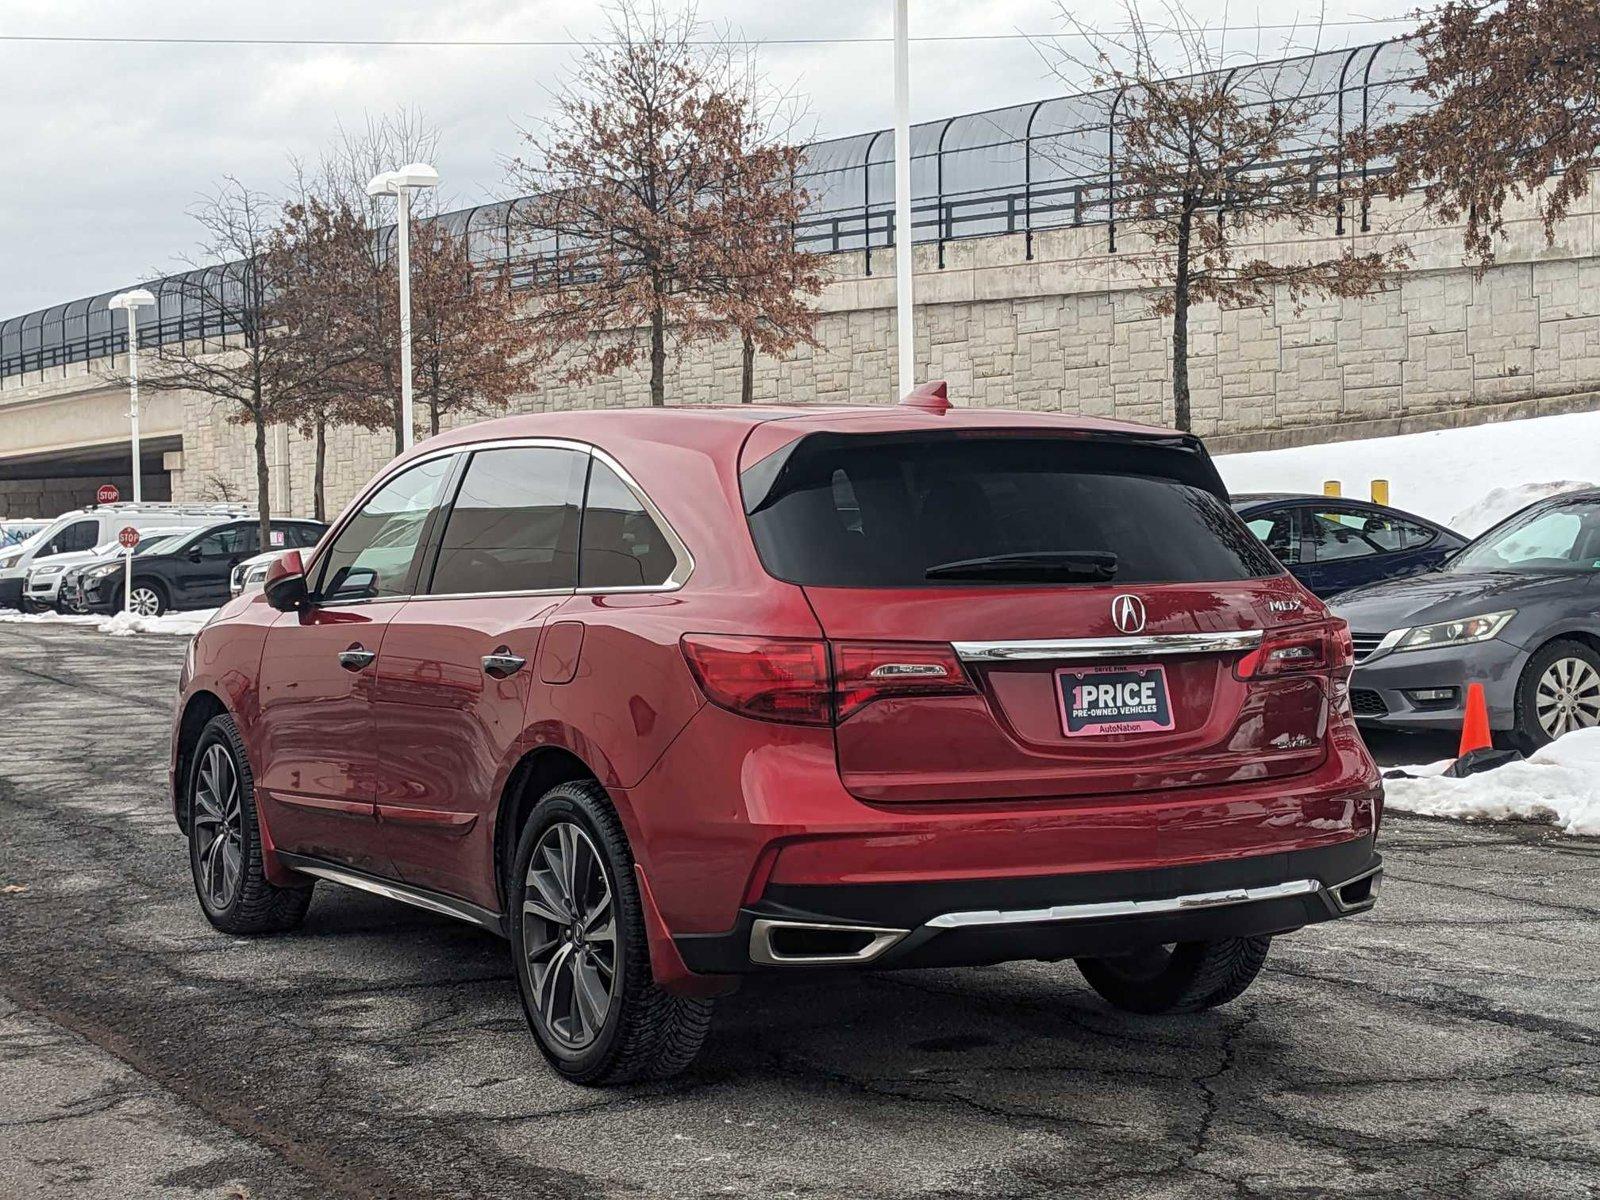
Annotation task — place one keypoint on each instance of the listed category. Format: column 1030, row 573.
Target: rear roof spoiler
column 768, row 480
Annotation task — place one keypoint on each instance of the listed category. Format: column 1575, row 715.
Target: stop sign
column 107, row 494
column 128, row 538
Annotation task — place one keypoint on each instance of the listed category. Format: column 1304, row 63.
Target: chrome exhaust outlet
column 1357, row 893
column 777, row 943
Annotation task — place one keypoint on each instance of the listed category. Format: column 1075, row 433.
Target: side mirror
column 285, row 584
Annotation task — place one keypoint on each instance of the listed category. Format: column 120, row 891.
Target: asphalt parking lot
column 1447, row 1044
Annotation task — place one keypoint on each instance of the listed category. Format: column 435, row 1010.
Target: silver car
column 1517, row 610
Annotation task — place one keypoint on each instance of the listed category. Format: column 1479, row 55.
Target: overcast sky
column 107, row 145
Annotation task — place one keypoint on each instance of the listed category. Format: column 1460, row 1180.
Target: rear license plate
column 1114, row 700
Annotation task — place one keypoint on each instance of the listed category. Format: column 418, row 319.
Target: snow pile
column 13, row 617
column 121, row 625
column 1443, row 475
column 1558, row 784
column 124, row 624
column 1501, row 502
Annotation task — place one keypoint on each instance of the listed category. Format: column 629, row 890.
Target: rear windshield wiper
column 1034, row 564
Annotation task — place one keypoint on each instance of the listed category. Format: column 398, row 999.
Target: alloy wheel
column 1568, row 697
column 569, row 937
column 144, row 602
column 217, row 821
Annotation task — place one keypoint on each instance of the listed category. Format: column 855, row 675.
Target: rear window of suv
column 885, row 511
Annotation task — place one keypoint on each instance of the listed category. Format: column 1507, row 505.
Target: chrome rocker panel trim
column 391, row 889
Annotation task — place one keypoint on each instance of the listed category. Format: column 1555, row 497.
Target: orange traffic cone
column 1475, row 729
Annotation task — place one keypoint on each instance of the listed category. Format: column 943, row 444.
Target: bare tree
column 1514, row 113
column 256, row 373
column 641, row 181
column 1205, row 158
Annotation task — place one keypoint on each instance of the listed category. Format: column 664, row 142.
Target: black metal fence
column 1016, row 170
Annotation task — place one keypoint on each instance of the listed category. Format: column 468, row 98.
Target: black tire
column 1529, row 733
column 1184, row 978
column 158, row 594
column 644, row 1032
column 250, row 904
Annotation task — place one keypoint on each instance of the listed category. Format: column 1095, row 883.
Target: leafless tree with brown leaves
column 470, row 344
column 664, row 195
column 1203, row 160
column 316, row 257
column 1514, row 113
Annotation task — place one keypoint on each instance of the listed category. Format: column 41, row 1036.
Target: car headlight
column 46, row 572
column 9, row 560
column 1460, row 632
column 103, row 572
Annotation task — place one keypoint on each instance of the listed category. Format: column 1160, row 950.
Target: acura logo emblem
column 1127, row 612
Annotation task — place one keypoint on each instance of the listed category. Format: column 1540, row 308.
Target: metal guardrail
column 1017, row 170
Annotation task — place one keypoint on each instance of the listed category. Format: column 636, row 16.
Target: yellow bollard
column 1330, row 487
column 1380, row 491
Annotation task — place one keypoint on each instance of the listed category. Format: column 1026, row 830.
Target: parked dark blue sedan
column 1333, row 544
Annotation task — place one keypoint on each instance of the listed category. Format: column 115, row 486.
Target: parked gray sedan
column 1517, row 610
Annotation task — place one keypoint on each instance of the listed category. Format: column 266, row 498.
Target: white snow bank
column 1501, row 502
column 1558, row 784
column 121, row 625
column 1448, row 475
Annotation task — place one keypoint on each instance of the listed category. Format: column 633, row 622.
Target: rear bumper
column 972, row 922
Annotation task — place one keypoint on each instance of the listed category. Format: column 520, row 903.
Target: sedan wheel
column 1567, row 697
column 569, row 936
column 145, row 601
column 218, row 827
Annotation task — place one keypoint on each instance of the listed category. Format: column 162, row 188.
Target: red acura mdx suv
column 666, row 697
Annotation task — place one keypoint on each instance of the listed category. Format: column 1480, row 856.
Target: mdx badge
column 1284, row 605
column 1127, row 613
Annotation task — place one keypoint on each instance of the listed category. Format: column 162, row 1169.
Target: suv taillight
column 812, row 682
column 1324, row 648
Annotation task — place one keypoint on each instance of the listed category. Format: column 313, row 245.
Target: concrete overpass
column 64, row 432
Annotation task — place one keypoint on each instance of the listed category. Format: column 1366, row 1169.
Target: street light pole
column 131, row 302
column 399, row 184
column 905, row 334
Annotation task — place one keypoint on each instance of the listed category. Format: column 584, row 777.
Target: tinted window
column 1277, row 532
column 302, row 536
column 514, row 524
column 1391, row 534
column 371, row 557
column 79, row 536
column 881, row 511
column 1333, row 534
column 222, row 543
column 622, row 544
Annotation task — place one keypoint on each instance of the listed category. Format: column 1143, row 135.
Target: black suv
column 192, row 572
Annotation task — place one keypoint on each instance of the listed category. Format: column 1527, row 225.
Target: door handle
column 356, row 658
column 502, row 663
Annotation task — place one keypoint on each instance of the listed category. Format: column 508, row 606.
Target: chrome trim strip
column 1127, row 908
column 447, row 906
column 1142, row 646
column 761, row 950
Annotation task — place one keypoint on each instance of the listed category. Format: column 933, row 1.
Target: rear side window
column 514, row 524
column 622, row 544
column 884, row 512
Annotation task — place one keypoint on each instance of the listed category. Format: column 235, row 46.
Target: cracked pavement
column 1447, row 1044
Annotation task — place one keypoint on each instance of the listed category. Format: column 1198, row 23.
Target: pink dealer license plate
column 1114, row 700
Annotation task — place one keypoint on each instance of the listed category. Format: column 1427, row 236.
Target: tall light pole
column 905, row 336
column 399, row 184
column 131, row 302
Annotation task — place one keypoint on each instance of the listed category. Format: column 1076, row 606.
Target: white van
column 72, row 537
